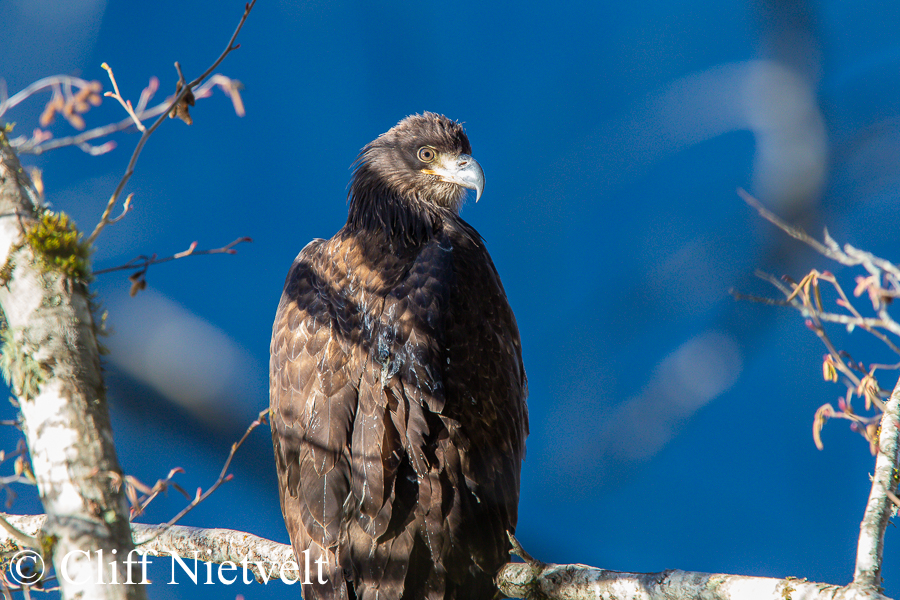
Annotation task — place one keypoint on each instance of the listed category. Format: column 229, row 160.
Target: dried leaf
column 872, row 433
column 825, row 411
column 131, row 494
column 829, row 373
column 55, row 105
column 38, row 181
column 180, row 110
column 138, row 283
column 870, row 389
column 818, row 297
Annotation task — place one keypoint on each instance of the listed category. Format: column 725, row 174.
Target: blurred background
column 670, row 424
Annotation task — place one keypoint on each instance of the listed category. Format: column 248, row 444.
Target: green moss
column 56, row 242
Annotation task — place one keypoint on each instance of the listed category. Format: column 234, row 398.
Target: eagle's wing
column 486, row 376
column 313, row 403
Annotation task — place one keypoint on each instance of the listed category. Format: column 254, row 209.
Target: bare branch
column 140, row 505
column 894, row 498
column 129, row 170
column 21, row 537
column 797, row 234
column 849, row 256
column 55, row 82
column 141, row 263
column 126, row 208
column 40, row 143
column 264, row 558
column 147, row 93
column 232, row 87
column 882, row 286
column 223, row 477
column 126, row 104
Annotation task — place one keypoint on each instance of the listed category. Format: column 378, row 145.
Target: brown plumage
column 397, row 385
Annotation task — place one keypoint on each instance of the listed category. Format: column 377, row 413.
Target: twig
column 758, row 299
column 129, row 170
column 894, row 498
column 797, row 234
column 519, row 551
column 143, row 262
column 806, row 307
column 139, row 506
column 133, row 485
column 879, row 507
column 848, row 256
column 126, row 208
column 232, row 87
column 6, row 594
column 223, row 477
column 126, row 104
column 147, row 93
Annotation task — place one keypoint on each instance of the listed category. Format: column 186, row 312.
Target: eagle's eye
column 426, row 154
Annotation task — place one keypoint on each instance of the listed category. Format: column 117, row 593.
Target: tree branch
column 115, row 94
column 223, row 477
column 38, row 144
column 880, row 506
column 581, row 582
column 141, row 263
column 264, row 558
column 534, row 580
column 882, row 285
column 51, row 360
column 188, row 89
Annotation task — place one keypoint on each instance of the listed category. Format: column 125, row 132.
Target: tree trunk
column 51, row 359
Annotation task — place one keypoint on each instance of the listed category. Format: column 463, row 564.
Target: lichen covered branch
column 581, row 582
column 51, row 360
column 534, row 580
column 880, row 506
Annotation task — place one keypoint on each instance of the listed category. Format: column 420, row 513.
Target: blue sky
column 670, row 424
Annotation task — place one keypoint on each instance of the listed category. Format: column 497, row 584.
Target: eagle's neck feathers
column 376, row 207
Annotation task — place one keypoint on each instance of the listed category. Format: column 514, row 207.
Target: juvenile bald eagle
column 397, row 386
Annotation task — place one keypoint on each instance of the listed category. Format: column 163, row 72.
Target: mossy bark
column 51, row 357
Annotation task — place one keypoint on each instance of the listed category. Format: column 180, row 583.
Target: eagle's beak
column 464, row 171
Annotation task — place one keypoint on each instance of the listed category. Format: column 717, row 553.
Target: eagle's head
column 424, row 159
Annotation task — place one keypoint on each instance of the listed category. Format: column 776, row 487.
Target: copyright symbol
column 26, row 567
